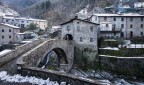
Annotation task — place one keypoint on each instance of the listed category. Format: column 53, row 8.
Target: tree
column 32, row 26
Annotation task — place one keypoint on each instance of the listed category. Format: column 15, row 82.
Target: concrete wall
column 130, row 66
column 18, row 51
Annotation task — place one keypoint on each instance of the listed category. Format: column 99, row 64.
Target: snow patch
column 110, row 48
column 20, row 79
column 4, row 52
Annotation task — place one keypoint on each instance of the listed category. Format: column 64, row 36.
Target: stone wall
column 130, row 66
column 34, row 56
column 18, row 51
column 57, row 76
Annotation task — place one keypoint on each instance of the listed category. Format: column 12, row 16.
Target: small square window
column 122, row 25
column 107, row 25
column 91, row 28
column 105, row 18
column 141, row 33
column 114, row 19
column 131, row 26
column 141, row 25
column 9, row 30
column 141, row 18
column 2, row 30
column 122, row 19
column 81, row 39
column 2, row 37
column 9, row 36
column 91, row 40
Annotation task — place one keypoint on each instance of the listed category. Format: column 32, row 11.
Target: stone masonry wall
column 18, row 51
column 34, row 56
column 130, row 66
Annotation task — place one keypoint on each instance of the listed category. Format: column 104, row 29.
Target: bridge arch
column 68, row 37
column 61, row 57
column 63, row 48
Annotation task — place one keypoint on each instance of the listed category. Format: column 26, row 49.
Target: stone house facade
column 126, row 25
column 8, row 33
column 81, row 31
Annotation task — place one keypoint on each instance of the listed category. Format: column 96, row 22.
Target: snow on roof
column 56, row 27
column 6, row 17
column 23, row 18
column 123, row 14
column 105, row 22
column 9, row 25
column 110, row 48
column 5, row 52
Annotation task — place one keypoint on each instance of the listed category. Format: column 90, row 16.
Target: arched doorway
column 68, row 37
column 54, row 59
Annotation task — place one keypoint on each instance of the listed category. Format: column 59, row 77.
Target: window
column 2, row 37
column 114, row 19
column 81, row 39
column 107, row 25
column 105, row 18
column 2, row 30
column 9, row 36
column 77, row 22
column 68, row 28
column 12, row 20
column 91, row 28
column 22, row 21
column 141, row 18
column 131, row 19
column 131, row 26
column 141, row 25
column 78, row 28
column 7, row 20
column 122, row 19
column 9, row 30
column 91, row 40
column 114, row 26
column 141, row 33
column 122, row 25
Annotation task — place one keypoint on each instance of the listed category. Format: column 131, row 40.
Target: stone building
column 125, row 25
column 8, row 33
column 81, row 31
column 85, row 36
column 23, row 22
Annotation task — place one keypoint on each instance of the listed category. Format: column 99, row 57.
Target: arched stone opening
column 57, row 56
column 68, row 37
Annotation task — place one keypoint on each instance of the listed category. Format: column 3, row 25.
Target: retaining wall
column 130, row 66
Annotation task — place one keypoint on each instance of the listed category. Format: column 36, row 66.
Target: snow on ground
column 20, row 79
column 5, row 51
column 110, row 48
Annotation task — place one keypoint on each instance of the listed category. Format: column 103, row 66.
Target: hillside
column 57, row 11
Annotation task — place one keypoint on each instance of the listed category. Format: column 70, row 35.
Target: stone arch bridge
column 63, row 48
